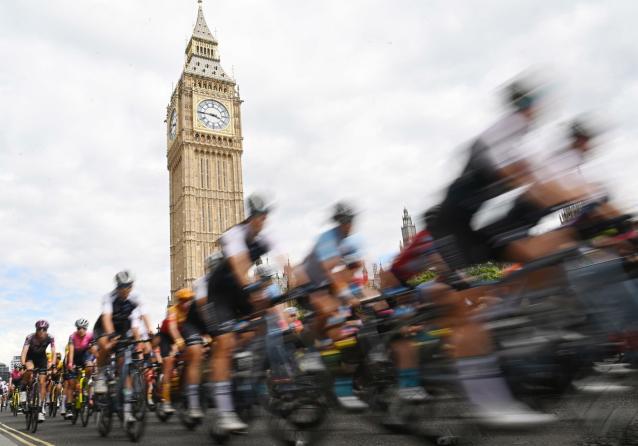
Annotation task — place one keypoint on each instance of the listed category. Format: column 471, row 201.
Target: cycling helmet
column 264, row 271
column 213, row 260
column 42, row 324
column 256, row 205
column 520, row 96
column 291, row 310
column 124, row 279
column 184, row 294
column 343, row 213
column 81, row 323
column 579, row 128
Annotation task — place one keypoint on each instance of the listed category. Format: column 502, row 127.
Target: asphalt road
column 593, row 415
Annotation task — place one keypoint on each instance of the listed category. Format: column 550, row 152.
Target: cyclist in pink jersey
column 80, row 343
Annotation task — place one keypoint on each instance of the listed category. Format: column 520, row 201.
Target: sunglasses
column 42, row 329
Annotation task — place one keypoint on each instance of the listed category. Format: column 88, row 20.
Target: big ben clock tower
column 204, row 148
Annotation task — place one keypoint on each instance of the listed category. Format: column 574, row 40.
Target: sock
column 63, row 401
column 409, row 378
column 166, row 392
column 343, row 386
column 223, row 396
column 192, row 390
column 483, row 382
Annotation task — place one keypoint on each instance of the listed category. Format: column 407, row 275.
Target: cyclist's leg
column 191, row 331
column 167, row 352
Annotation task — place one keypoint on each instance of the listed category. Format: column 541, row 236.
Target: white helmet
column 81, row 323
column 264, row 271
column 124, row 279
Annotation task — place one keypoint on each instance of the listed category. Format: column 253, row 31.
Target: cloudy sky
column 368, row 100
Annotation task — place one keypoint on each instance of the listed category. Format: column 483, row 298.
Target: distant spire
column 201, row 29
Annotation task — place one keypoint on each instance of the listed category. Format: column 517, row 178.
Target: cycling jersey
column 80, row 343
column 331, row 244
column 16, row 375
column 121, row 311
column 201, row 287
column 224, row 292
column 499, row 146
column 39, row 346
column 414, row 257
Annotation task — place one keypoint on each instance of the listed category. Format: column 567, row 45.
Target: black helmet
column 520, row 95
column 578, row 128
column 256, row 205
column 343, row 213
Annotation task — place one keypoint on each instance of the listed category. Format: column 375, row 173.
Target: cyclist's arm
column 23, row 355
column 71, row 354
column 147, row 322
column 172, row 328
column 235, row 249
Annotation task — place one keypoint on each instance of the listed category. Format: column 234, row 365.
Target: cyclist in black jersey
column 231, row 298
column 115, row 322
column 34, row 356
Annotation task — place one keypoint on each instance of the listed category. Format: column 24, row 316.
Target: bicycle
column 15, row 402
column 80, row 407
column 113, row 401
column 54, row 395
column 33, row 404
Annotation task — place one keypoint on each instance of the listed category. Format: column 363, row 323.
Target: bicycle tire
column 135, row 430
column 53, row 404
column 35, row 405
column 85, row 412
column 104, row 417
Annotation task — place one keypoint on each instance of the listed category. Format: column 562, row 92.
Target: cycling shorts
column 39, row 360
column 227, row 303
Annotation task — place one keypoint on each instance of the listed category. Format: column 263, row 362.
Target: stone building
column 408, row 230
column 204, row 149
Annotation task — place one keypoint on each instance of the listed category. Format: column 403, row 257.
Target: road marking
column 21, row 440
column 26, row 435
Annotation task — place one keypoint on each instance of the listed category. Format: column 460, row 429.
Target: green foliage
column 423, row 277
column 484, row 271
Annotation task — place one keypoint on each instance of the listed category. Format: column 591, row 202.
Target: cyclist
column 327, row 262
column 231, row 296
column 184, row 326
column 15, row 381
column 56, row 377
column 34, row 356
column 115, row 321
column 498, row 162
column 79, row 356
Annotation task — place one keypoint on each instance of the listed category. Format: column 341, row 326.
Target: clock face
column 213, row 114
column 172, row 127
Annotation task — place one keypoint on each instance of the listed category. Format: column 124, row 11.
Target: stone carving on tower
column 408, row 230
column 204, row 149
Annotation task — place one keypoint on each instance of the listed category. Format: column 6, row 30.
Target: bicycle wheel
column 85, row 412
column 54, row 402
column 15, row 402
column 135, row 430
column 27, row 411
column 35, row 406
column 104, row 415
